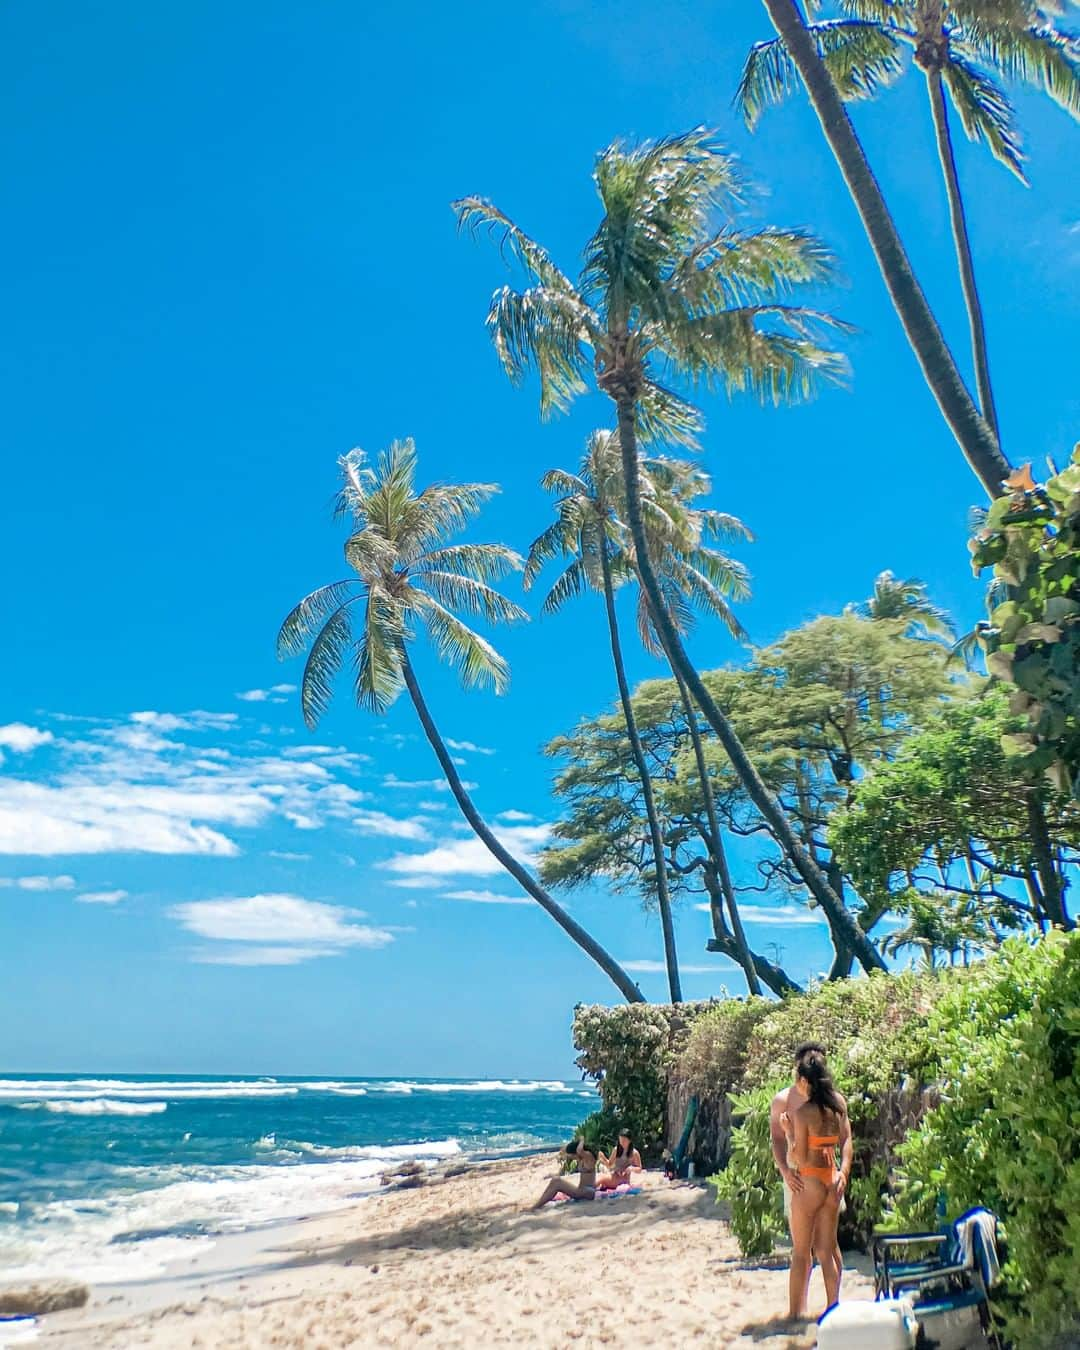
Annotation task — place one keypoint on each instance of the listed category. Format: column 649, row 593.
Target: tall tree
column 965, row 49
column 587, row 531
column 973, row 433
column 663, row 285
column 408, row 576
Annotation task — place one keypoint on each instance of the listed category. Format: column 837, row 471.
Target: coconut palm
column 408, row 577
column 974, row 435
column 907, row 600
column 965, row 48
column 582, row 532
column 663, row 287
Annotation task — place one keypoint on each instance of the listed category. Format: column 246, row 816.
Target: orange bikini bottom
column 826, row 1175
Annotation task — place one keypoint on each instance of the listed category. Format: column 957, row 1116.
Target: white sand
column 461, row 1263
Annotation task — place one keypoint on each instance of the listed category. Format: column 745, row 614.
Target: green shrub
column 750, row 1183
column 1006, row 1134
column 628, row 1050
column 714, row 1056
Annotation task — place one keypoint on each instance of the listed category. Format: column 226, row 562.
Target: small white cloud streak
column 39, row 883
column 468, row 747
column 658, row 968
column 389, row 827
column 486, row 898
column 278, row 920
column 469, row 857
column 102, row 897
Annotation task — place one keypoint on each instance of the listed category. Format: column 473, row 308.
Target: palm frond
column 729, row 349
column 439, row 510
column 1035, row 54
column 483, row 562
column 861, row 55
column 456, row 643
column 307, row 618
column 666, row 418
column 379, row 679
column 984, row 110
column 736, row 266
column 477, row 213
column 571, row 582
column 467, row 594
column 324, row 662
column 541, row 329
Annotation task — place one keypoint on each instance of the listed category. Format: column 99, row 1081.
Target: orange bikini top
column 822, row 1140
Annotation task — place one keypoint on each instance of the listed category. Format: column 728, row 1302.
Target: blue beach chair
column 942, row 1273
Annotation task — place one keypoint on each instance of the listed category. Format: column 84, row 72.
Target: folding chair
column 956, row 1274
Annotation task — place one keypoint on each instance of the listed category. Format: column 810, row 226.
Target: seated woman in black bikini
column 584, row 1188
column 815, row 1209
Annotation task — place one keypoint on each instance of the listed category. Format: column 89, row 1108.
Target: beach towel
column 986, row 1224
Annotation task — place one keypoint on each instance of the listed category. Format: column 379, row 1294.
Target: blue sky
column 229, row 257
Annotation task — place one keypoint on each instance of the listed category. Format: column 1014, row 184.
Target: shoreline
column 459, row 1260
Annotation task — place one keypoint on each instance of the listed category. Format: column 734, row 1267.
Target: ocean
column 112, row 1178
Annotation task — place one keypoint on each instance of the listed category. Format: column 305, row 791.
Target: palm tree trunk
column 962, row 244
column 715, row 843
column 637, row 753
column 621, row 387
column 975, row 438
column 521, row 875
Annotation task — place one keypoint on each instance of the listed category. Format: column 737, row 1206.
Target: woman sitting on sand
column 815, row 1209
column 623, row 1160
column 585, row 1186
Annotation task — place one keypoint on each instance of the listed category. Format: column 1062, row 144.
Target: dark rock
column 42, row 1296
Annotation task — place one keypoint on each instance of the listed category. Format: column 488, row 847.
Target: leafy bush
column 750, row 1183
column 1006, row 1134
column 628, row 1051
column 875, row 1031
column 714, row 1056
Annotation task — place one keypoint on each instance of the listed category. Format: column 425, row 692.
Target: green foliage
column 628, row 1051
column 1004, row 1046
column 1031, row 539
column 750, row 1183
column 714, row 1057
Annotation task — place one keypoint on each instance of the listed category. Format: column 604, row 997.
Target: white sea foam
column 72, row 1089
column 409, row 1086
column 430, row 1152
column 97, row 1106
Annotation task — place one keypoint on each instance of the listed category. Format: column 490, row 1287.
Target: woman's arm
column 635, row 1159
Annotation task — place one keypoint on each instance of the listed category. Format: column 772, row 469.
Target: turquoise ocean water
column 112, row 1178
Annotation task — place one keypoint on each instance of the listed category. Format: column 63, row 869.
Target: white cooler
column 888, row 1324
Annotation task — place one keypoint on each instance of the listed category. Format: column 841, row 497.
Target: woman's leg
column 804, row 1208
column 559, row 1186
column 827, row 1248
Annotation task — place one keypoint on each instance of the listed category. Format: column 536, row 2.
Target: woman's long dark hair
column 823, row 1093
column 629, row 1151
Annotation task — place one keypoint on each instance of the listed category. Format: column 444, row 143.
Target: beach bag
column 888, row 1324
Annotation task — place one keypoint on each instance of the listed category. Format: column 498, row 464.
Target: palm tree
column 973, row 433
column 907, row 600
column 964, row 48
column 582, row 532
column 662, row 285
column 407, row 576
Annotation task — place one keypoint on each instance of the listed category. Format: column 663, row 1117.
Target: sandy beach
column 460, row 1262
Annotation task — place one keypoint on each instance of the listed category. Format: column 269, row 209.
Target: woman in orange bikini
column 815, row 1210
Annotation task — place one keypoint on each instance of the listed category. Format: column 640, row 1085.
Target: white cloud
column 276, row 923
column 514, row 816
column 127, row 788
column 486, row 898
column 469, row 857
column 659, row 968
column 389, row 827
column 428, row 784
column 277, row 693
column 101, row 897
column 411, row 883
column 468, row 747
column 780, row 916
column 284, row 856
column 431, row 806
column 39, row 883
column 21, row 738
